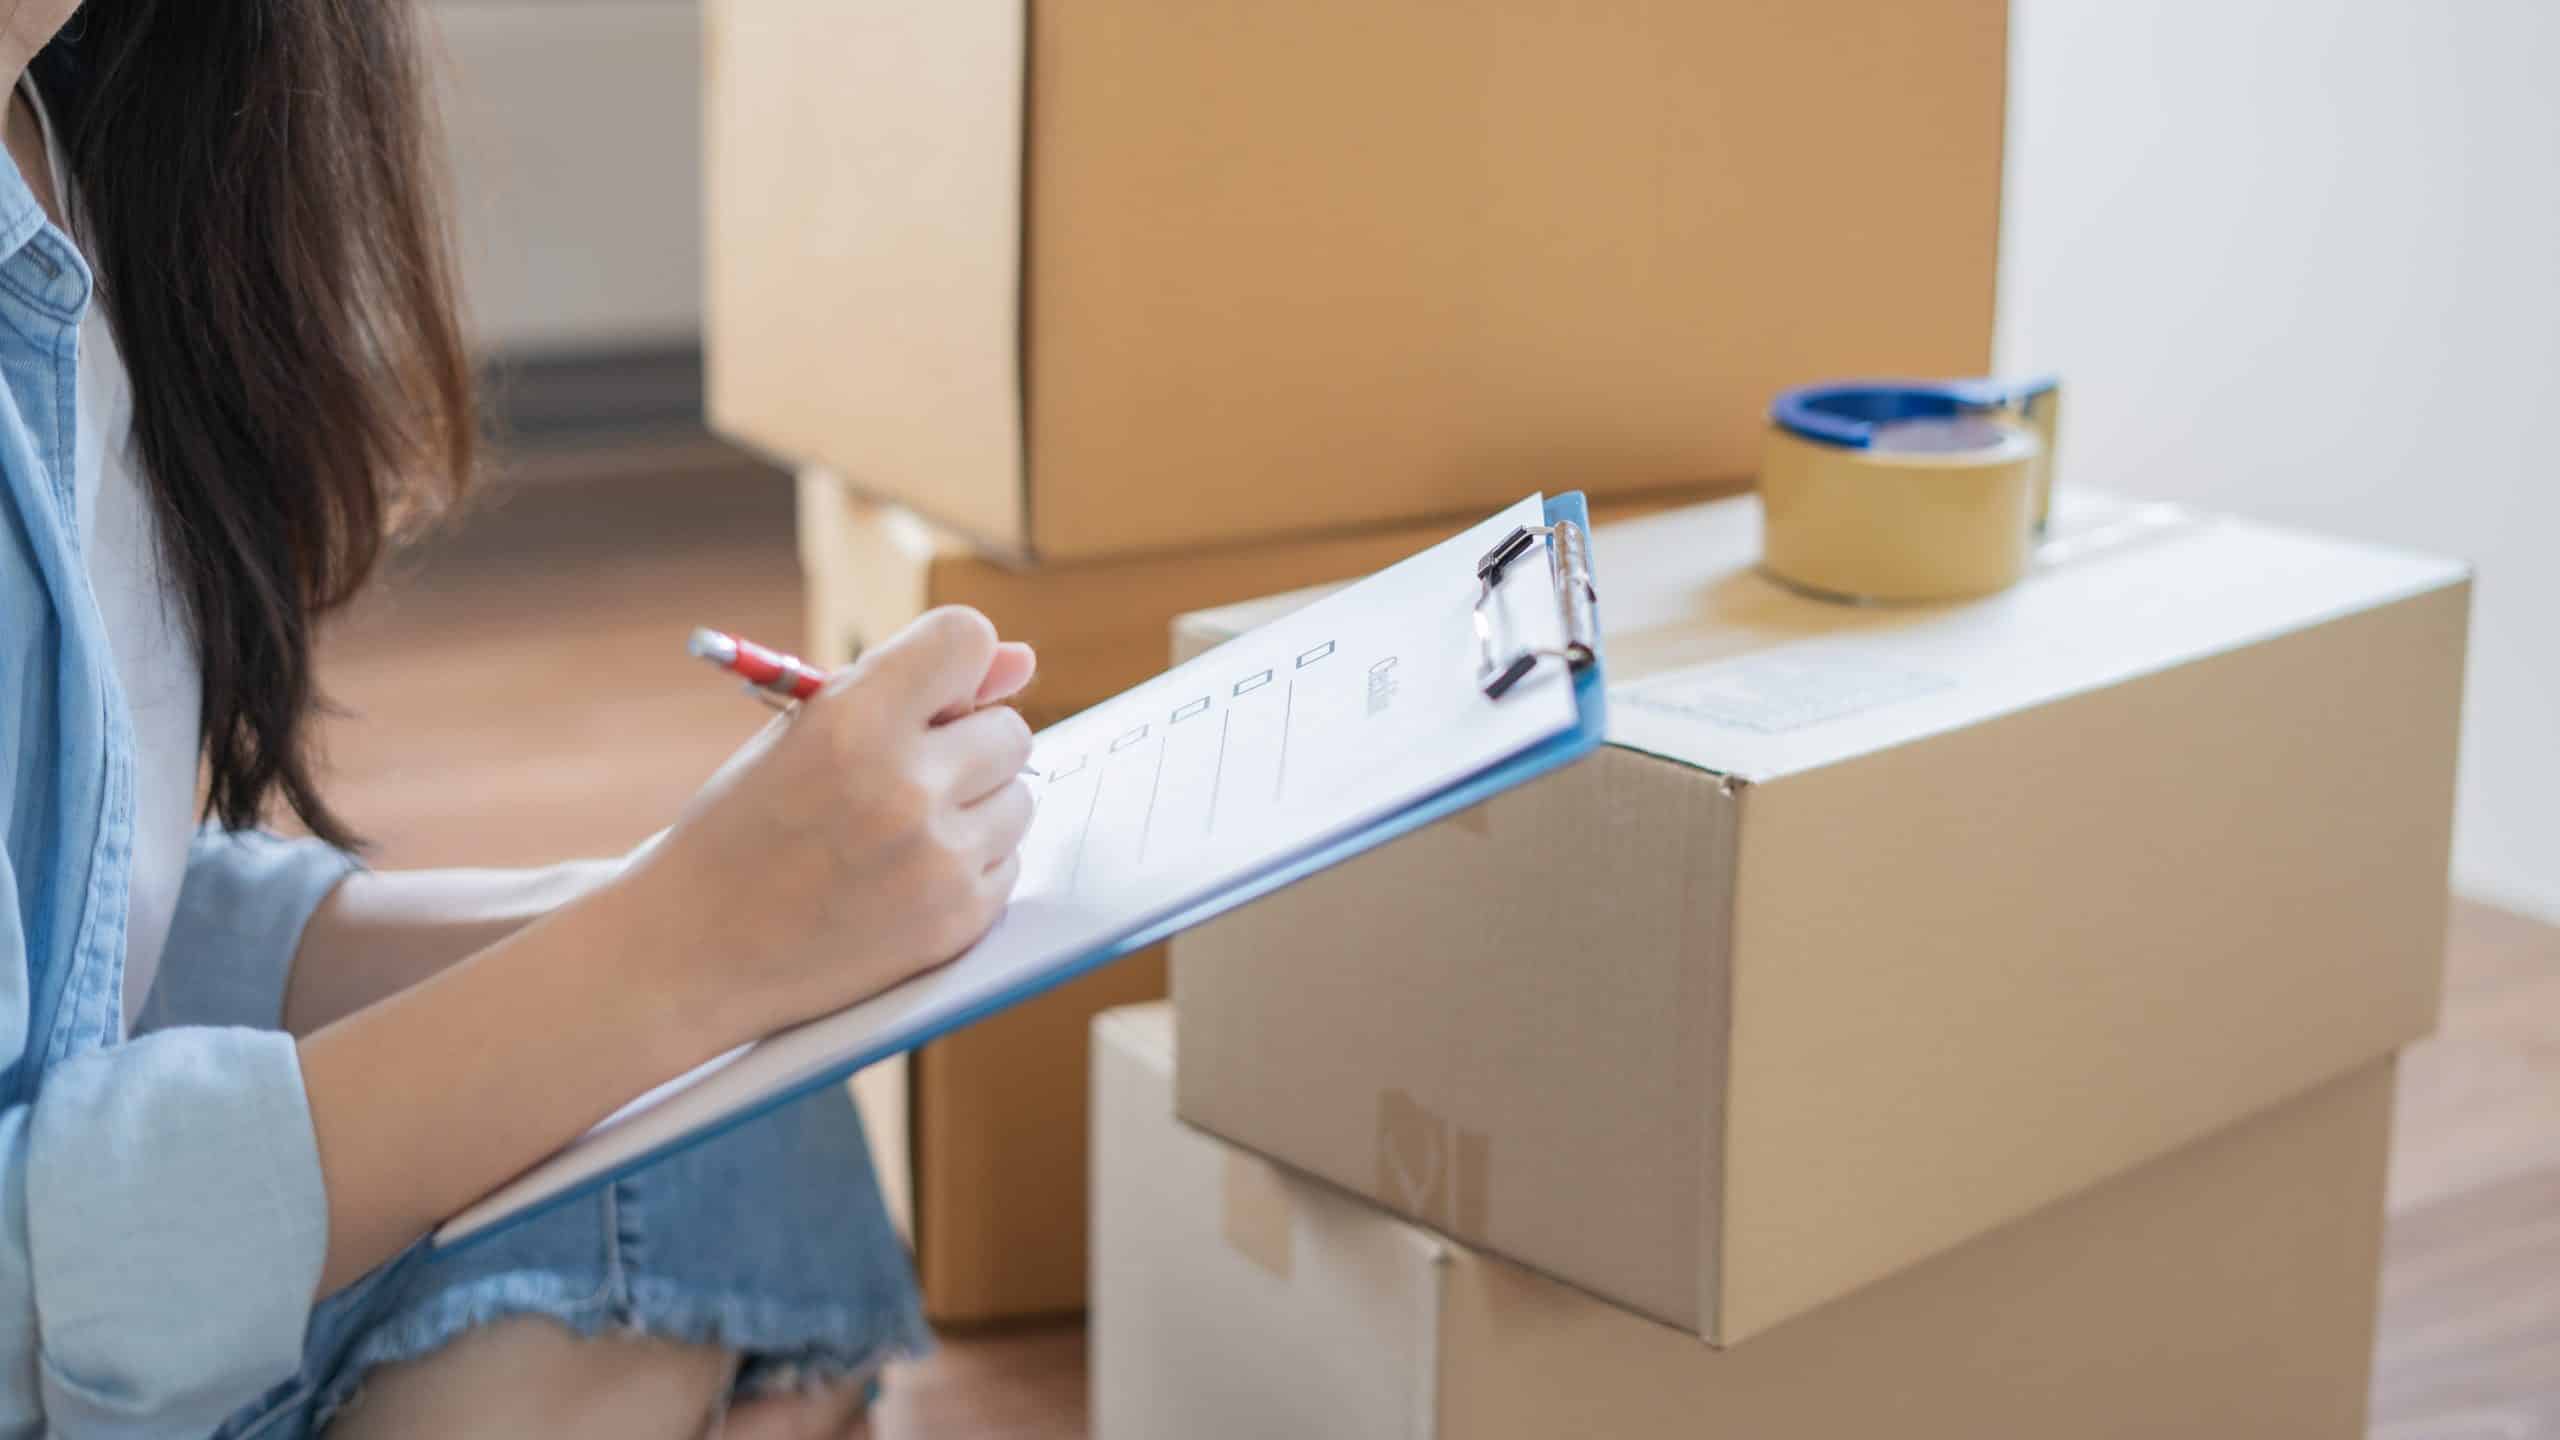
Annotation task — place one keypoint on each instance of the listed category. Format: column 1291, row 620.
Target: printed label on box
column 1774, row 693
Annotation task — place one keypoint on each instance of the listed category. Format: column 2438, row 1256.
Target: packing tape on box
column 1255, row 1214
column 1431, row 1169
column 1904, row 491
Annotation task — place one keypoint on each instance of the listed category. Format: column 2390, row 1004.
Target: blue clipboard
column 1564, row 547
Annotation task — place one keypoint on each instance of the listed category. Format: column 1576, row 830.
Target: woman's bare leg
column 530, row 1376
column 533, row 1377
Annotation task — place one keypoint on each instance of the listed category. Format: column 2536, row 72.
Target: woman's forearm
column 427, row 1100
column 381, row 932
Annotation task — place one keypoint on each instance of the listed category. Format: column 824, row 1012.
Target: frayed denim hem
column 785, row 1346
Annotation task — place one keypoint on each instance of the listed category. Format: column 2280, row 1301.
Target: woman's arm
column 382, row 931
column 425, row 1100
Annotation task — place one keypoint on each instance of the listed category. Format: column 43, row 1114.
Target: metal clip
column 1569, row 569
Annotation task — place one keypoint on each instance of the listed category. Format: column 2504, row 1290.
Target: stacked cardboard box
column 1096, row 278
column 2227, row 1290
column 1887, row 972
column 1156, row 305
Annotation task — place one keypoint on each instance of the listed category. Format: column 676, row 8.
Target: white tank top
column 146, row 625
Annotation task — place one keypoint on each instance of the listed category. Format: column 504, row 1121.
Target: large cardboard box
column 2226, row 1289
column 1871, row 929
column 980, row 1140
column 1093, row 277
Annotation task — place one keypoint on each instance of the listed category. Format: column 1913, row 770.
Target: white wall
column 574, row 134
column 2302, row 261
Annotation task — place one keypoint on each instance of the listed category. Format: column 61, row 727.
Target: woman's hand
column 869, row 835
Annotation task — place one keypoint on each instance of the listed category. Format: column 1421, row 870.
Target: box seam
column 1023, row 236
column 1713, row 1175
column 1427, row 1402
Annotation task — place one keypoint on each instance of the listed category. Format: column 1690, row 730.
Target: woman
column 243, row 1077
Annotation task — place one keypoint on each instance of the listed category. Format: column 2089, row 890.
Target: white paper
column 1156, row 803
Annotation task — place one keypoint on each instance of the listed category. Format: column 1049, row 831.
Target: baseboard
column 548, row 399
column 598, row 413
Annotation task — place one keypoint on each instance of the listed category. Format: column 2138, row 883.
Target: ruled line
column 1084, row 838
column 1288, row 703
column 1218, row 776
column 1155, row 787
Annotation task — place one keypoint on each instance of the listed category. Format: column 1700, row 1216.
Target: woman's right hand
column 868, row 835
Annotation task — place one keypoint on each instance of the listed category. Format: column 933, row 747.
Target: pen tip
column 711, row 645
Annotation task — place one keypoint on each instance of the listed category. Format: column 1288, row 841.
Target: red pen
column 766, row 670
column 769, row 670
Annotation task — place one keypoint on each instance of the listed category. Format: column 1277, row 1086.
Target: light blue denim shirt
column 162, row 1220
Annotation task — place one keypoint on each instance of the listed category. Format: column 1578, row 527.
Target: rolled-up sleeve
column 240, row 916
column 162, row 1226
column 173, row 1224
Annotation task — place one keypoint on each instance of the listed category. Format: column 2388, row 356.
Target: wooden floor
column 520, row 693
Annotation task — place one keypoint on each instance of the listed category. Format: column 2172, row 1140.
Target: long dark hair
column 263, row 217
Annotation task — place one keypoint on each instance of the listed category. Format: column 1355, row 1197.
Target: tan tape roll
column 1886, row 524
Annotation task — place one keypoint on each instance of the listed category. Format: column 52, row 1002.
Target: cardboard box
column 2226, row 1289
column 1127, row 275
column 1871, row 929
column 980, row 1141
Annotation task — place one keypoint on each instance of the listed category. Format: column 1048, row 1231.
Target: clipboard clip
column 1569, row 570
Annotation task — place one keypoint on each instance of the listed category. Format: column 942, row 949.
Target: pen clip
column 1569, row 570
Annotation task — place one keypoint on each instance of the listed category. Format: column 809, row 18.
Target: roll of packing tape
column 1898, row 491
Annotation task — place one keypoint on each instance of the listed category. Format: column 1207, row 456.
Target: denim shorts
column 770, row 1241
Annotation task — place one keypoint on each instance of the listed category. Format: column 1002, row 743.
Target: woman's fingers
column 931, row 667
column 999, row 881
column 1008, row 672
column 979, row 752
column 993, row 828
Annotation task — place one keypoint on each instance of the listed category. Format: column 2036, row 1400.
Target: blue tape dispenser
column 1908, row 490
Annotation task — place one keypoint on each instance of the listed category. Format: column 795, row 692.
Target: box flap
column 1721, row 667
